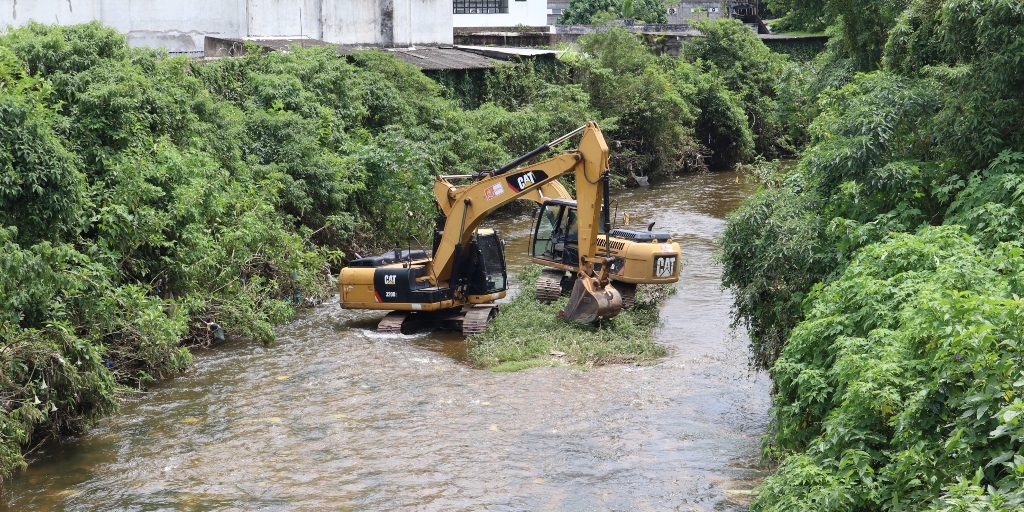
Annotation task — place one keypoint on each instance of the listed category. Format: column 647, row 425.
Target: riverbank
column 880, row 277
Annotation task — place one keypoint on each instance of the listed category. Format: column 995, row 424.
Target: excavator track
column 477, row 318
column 628, row 293
column 392, row 322
column 549, row 285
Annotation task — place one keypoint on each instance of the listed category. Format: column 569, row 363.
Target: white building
column 180, row 26
column 499, row 13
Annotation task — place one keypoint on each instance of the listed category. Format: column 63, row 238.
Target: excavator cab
column 556, row 240
column 485, row 264
column 556, row 233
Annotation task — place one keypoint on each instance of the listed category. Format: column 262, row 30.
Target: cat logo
column 526, row 180
column 389, row 279
column 664, row 266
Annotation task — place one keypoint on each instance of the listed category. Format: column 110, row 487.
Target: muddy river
column 336, row 416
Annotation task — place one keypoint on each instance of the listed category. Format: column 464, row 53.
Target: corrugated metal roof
column 426, row 58
column 506, row 53
column 444, row 58
column 431, row 58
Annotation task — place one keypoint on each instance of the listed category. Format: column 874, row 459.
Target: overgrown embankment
column 880, row 278
column 528, row 334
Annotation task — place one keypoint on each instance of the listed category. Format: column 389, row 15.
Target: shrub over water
column 879, row 277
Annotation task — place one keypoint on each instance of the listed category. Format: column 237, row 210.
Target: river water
column 336, row 416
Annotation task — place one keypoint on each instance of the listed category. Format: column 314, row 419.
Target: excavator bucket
column 590, row 301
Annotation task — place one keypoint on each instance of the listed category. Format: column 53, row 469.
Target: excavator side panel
column 653, row 263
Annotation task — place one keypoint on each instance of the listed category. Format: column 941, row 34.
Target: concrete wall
column 283, row 18
column 387, row 22
column 181, row 25
column 532, row 13
column 178, row 26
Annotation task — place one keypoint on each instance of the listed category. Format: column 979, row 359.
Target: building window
column 480, row 6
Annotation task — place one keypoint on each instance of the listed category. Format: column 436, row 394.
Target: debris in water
column 283, row 377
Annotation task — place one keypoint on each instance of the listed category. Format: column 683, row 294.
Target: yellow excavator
column 457, row 286
column 637, row 257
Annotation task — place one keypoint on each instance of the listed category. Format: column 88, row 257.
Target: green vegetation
column 730, row 51
column 659, row 112
column 798, row 50
column 142, row 197
column 879, row 277
column 586, row 12
column 528, row 334
column 799, row 15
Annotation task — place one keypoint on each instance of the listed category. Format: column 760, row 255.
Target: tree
column 587, row 12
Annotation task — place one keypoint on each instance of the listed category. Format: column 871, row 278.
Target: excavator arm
column 465, row 207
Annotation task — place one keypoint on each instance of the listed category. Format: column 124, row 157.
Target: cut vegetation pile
column 528, row 334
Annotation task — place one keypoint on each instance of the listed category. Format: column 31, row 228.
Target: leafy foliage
column 586, row 12
column 730, row 50
column 627, row 83
column 799, row 15
column 891, row 298
column 902, row 382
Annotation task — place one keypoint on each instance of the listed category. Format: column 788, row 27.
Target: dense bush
column 586, row 12
column 731, row 51
column 899, row 390
column 799, row 15
column 663, row 112
column 882, row 270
